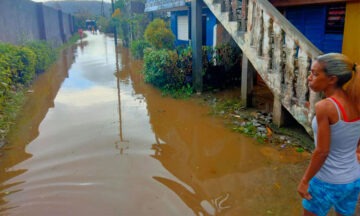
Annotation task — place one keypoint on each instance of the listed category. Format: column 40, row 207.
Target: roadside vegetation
column 19, row 66
column 169, row 68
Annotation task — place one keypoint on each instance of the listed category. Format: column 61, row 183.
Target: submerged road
column 94, row 139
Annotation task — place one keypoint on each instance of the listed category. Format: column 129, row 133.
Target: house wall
column 311, row 20
column 278, row 3
column 351, row 43
column 174, row 24
column 210, row 23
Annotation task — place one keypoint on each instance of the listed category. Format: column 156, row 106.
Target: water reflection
column 112, row 145
column 39, row 101
column 217, row 172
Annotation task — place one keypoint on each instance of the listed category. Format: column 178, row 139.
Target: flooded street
column 94, row 140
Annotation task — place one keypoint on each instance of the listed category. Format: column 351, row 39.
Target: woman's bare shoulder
column 326, row 108
column 324, row 105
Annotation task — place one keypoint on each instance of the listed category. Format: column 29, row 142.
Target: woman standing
column 332, row 178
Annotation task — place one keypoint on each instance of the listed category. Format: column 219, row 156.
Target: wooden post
column 196, row 41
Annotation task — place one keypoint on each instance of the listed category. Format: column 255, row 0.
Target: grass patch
column 183, row 92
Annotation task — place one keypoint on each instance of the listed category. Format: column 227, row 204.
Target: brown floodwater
column 94, row 139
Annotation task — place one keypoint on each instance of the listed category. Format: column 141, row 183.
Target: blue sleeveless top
column 341, row 166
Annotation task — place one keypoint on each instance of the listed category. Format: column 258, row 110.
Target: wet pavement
column 94, row 139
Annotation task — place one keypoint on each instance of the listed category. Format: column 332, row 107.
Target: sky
column 109, row 1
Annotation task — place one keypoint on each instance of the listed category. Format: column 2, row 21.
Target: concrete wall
column 18, row 21
column 52, row 26
column 67, row 26
column 24, row 20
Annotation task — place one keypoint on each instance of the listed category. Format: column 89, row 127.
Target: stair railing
column 278, row 51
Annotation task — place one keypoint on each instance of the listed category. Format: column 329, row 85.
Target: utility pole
column 115, row 34
column 102, row 13
column 196, row 43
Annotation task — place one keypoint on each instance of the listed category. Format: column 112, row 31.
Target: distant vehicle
column 91, row 25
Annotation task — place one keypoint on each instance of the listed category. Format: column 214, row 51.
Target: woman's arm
column 358, row 151
column 322, row 148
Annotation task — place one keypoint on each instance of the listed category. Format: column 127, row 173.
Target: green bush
column 17, row 67
column 163, row 69
column 185, row 60
column 5, row 80
column 28, row 61
column 171, row 71
column 159, row 35
column 137, row 48
column 159, row 66
column 17, row 64
column 45, row 54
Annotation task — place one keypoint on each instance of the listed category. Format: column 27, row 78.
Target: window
column 183, row 28
column 335, row 19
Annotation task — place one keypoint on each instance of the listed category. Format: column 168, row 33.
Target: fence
column 24, row 20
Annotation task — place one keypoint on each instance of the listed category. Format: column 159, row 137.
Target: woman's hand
column 303, row 190
column 358, row 152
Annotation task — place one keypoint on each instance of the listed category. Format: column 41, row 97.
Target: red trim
column 343, row 111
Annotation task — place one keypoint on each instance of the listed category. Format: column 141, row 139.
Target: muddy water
column 95, row 140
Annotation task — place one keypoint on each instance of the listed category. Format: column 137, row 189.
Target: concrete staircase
column 277, row 50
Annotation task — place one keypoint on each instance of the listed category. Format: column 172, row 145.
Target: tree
column 159, row 35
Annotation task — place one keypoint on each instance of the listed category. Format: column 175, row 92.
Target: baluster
column 251, row 22
column 277, row 62
column 228, row 6
column 267, row 40
column 255, row 26
column 236, row 10
column 278, row 66
column 243, row 15
column 260, row 48
column 225, row 5
column 301, row 85
column 289, row 73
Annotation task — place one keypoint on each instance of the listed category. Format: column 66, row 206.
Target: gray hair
column 336, row 64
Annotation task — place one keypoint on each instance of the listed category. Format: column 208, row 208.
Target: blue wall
column 310, row 20
column 173, row 25
column 210, row 23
